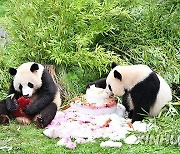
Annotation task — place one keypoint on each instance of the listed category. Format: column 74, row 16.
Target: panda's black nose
column 26, row 96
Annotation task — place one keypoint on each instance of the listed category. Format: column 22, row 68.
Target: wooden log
column 63, row 91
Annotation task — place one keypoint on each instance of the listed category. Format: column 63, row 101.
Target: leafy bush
column 6, row 60
column 86, row 36
column 79, row 73
column 60, row 32
column 150, row 36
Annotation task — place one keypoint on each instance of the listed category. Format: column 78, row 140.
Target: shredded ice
column 84, row 128
column 93, row 115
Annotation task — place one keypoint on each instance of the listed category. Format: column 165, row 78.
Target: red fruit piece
column 23, row 102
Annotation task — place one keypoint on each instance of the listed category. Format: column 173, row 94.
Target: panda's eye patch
column 20, row 87
column 109, row 87
column 30, row 85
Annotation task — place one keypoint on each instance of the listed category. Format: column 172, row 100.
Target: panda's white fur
column 164, row 96
column 133, row 75
column 57, row 100
column 131, row 105
column 24, row 75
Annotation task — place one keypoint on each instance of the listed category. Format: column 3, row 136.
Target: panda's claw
column 4, row 119
column 39, row 121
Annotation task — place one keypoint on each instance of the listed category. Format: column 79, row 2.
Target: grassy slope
column 28, row 139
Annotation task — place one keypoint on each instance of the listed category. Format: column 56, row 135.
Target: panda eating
column 144, row 92
column 31, row 81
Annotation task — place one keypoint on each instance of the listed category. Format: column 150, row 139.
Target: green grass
column 2, row 8
column 29, row 139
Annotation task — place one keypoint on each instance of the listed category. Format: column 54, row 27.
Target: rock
column 2, row 33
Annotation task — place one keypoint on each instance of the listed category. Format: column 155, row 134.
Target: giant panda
column 33, row 81
column 144, row 92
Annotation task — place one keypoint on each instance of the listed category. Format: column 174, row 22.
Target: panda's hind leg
column 4, row 113
column 139, row 114
column 144, row 95
column 46, row 115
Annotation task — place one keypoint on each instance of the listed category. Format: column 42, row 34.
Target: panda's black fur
column 43, row 104
column 45, row 94
column 100, row 83
column 148, row 88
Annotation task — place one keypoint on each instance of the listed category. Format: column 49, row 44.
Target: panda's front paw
column 11, row 104
column 30, row 110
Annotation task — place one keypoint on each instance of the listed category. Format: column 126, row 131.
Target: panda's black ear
column 117, row 75
column 113, row 65
column 34, row 67
column 12, row 71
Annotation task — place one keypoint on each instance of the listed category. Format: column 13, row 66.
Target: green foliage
column 6, row 60
column 170, row 115
column 61, row 32
column 86, row 35
column 2, row 8
column 150, row 36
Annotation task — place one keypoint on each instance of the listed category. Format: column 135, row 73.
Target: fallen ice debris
column 67, row 142
column 85, row 128
column 111, row 144
column 132, row 139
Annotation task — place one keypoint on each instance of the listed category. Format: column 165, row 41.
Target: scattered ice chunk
column 71, row 145
column 132, row 139
column 111, row 144
column 50, row 132
column 140, row 126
